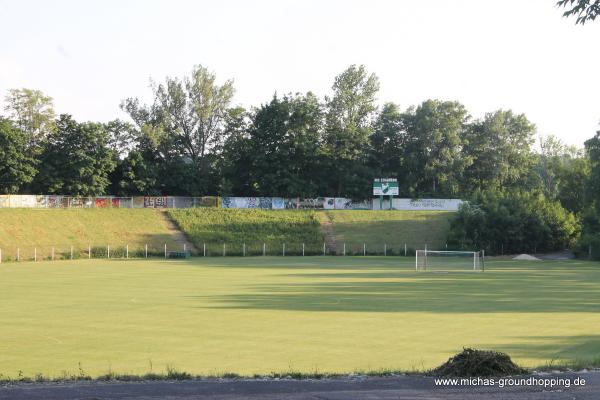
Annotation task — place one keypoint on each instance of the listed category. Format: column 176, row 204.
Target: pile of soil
column 483, row 363
column 526, row 257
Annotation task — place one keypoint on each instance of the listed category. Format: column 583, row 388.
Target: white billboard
column 420, row 204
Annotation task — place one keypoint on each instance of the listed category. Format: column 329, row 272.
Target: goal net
column 432, row 260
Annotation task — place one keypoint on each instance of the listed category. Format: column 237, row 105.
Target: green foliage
column 183, row 129
column 237, row 226
column 189, row 141
column 584, row 10
column 499, row 146
column 592, row 147
column 590, row 238
column 76, row 159
column 33, row 113
column 135, row 175
column 513, row 222
column 347, row 131
column 284, row 147
column 433, row 162
column 564, row 171
column 236, row 158
column 16, row 168
column 388, row 141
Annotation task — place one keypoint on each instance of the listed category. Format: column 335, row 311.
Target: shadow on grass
column 581, row 350
column 385, row 289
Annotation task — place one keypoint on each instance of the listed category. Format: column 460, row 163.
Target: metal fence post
column 126, row 251
column 89, row 251
column 184, row 248
column 224, row 250
column 146, row 250
column 405, row 250
column 18, row 254
column 344, row 248
column 244, row 250
column 108, row 251
column 302, row 249
column 204, row 249
column 323, row 248
column 52, row 253
column 264, row 249
column 35, row 254
column 364, row 249
column 165, row 250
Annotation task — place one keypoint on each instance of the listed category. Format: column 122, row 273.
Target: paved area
column 356, row 388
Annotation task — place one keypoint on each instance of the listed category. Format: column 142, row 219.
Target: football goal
column 432, row 260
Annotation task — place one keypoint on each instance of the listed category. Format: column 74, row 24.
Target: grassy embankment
column 394, row 229
column 41, row 230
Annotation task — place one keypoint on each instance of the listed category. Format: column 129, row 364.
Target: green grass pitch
column 274, row 314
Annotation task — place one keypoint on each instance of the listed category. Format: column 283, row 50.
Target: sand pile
column 525, row 257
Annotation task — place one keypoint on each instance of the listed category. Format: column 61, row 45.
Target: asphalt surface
column 354, row 388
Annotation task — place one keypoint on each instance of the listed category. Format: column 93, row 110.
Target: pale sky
column 487, row 54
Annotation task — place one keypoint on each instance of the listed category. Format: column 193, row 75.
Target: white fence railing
column 212, row 249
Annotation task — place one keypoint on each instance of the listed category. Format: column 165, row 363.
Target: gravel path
column 356, row 388
column 178, row 236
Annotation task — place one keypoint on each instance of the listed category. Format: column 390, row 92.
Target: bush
column 513, row 222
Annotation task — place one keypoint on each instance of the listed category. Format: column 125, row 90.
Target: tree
column 388, row 141
column 513, row 221
column 590, row 237
column 585, row 10
column 433, row 163
column 565, row 171
column 33, row 113
column 122, row 137
column 592, row 148
column 348, row 127
column 16, row 168
column 500, row 148
column 284, row 146
column 133, row 175
column 186, row 123
column 77, row 159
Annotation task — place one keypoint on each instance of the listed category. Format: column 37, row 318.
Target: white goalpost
column 436, row 260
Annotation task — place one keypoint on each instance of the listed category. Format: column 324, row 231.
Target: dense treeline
column 191, row 140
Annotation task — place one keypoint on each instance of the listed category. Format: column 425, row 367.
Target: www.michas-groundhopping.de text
column 546, row 382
